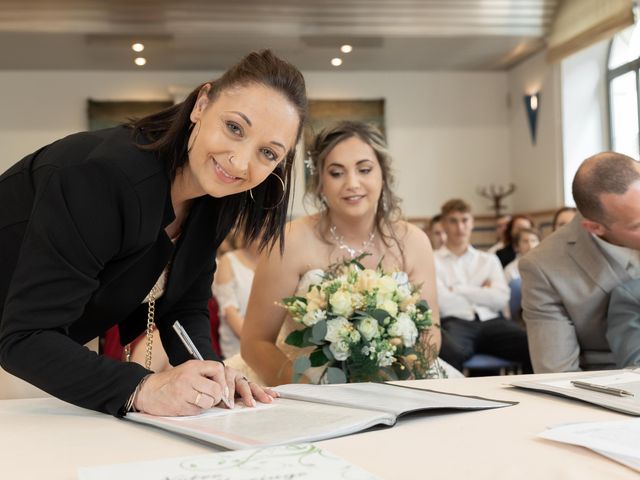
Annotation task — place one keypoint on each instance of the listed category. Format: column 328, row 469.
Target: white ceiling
column 212, row 34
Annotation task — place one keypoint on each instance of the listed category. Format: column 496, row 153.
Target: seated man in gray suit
column 623, row 324
column 567, row 280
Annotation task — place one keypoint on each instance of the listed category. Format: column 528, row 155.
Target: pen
column 191, row 348
column 602, row 388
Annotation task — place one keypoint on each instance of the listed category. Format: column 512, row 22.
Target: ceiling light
column 137, row 47
column 346, row 48
column 336, row 62
column 140, row 61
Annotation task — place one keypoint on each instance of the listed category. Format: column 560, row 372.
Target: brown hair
column 169, row 130
column 508, row 236
column 559, row 212
column 606, row 172
column 388, row 210
column 454, row 205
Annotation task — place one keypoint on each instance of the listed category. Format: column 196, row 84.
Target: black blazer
column 82, row 243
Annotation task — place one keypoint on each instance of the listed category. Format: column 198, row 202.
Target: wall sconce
column 532, row 105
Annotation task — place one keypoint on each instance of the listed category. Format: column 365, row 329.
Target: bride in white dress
column 350, row 182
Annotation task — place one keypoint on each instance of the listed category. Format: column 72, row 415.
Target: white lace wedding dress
column 441, row 370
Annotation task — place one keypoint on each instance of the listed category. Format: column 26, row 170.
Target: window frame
column 612, row 74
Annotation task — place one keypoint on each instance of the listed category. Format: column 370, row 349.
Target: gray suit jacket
column 566, row 283
column 623, row 324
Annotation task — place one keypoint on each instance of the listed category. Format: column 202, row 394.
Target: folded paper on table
column 627, row 379
column 303, row 461
column 307, row 413
column 618, row 440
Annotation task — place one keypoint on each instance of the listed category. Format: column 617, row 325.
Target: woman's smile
column 222, row 173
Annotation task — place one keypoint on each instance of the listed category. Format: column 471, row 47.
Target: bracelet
column 130, row 405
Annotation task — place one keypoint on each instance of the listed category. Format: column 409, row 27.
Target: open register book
column 627, row 380
column 307, row 413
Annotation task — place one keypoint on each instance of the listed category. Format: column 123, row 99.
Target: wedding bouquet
column 365, row 325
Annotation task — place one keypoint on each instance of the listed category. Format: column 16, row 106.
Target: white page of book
column 287, row 421
column 383, row 397
column 302, row 461
column 619, row 440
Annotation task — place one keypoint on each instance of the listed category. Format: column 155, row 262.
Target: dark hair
column 169, row 132
column 435, row 219
column 508, row 236
column 559, row 212
column 454, row 205
column 388, row 210
column 531, row 231
column 606, row 172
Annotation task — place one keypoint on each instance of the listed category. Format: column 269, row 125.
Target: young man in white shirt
column 472, row 293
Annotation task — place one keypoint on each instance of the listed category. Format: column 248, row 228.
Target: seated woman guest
column 525, row 240
column 563, row 216
column 120, row 226
column 507, row 254
column 231, row 287
column 351, row 185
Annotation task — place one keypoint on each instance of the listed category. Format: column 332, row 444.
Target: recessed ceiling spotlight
column 336, row 62
column 140, row 61
column 137, row 47
column 346, row 48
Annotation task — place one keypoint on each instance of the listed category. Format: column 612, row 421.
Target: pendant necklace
column 351, row 251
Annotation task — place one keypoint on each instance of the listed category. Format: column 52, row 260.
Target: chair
column 489, row 364
column 515, row 300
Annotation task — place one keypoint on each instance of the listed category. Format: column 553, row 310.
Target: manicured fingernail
column 253, row 403
column 226, row 392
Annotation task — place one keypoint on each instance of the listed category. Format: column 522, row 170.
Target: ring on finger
column 197, row 400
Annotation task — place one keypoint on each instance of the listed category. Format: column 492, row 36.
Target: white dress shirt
column 460, row 282
column 627, row 258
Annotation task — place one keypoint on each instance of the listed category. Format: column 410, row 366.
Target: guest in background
column 501, row 229
column 567, row 280
column 472, row 292
column 623, row 324
column 562, row 217
column 507, row 254
column 435, row 232
column 525, row 240
column 231, row 288
column 120, row 226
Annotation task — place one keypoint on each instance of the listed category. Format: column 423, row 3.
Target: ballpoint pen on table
column 602, row 388
column 191, row 348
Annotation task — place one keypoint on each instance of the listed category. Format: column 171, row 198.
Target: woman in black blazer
column 97, row 226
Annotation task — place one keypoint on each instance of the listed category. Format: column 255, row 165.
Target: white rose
column 405, row 329
column 340, row 350
column 388, row 305
column 336, row 329
column 387, row 285
column 367, row 280
column 368, row 328
column 357, row 301
column 341, row 303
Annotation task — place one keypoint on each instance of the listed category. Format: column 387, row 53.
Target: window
column 623, row 75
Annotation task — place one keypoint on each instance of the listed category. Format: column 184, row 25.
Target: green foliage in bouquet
column 364, row 325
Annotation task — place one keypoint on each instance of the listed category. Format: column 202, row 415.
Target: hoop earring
column 192, row 140
column 284, row 189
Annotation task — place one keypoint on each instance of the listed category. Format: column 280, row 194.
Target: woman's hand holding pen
column 187, row 389
column 195, row 386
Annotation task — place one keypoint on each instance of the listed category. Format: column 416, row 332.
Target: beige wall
column 447, row 131
column 537, row 168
